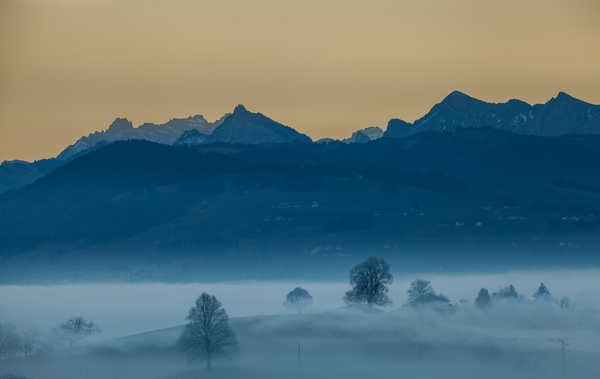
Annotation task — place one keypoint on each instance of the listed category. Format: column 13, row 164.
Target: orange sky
column 324, row 67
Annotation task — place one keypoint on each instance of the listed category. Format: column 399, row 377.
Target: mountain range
column 122, row 129
column 470, row 183
column 475, row 197
column 559, row 116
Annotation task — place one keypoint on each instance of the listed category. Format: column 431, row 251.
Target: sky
column 324, row 67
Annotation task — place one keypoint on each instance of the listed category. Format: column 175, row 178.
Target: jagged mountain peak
column 178, row 122
column 240, row 109
column 365, row 135
column 457, row 99
column 197, row 118
column 456, row 95
column 245, row 127
column 561, row 115
column 120, row 123
column 564, row 96
column 122, row 129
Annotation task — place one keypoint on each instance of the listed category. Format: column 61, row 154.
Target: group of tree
column 510, row 294
column 208, row 334
column 421, row 294
column 29, row 343
column 370, row 282
column 76, row 329
column 16, row 344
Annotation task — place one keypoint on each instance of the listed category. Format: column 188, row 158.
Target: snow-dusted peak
column 122, row 129
column 365, row 135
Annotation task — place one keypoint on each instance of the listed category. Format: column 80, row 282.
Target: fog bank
column 122, row 308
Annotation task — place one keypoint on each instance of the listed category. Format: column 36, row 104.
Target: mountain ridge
column 244, row 127
column 122, row 129
column 309, row 205
column 562, row 114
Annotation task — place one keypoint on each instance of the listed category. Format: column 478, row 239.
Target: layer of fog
column 349, row 344
column 122, row 309
column 520, row 339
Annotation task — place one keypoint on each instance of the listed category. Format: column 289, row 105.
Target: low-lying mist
column 123, row 308
column 140, row 324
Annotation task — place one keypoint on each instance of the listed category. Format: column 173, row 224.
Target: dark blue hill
column 474, row 197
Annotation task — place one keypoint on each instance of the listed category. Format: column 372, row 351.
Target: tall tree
column 298, row 299
column 370, row 281
column 77, row 328
column 207, row 332
column 483, row 299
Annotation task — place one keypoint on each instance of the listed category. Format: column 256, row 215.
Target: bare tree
column 370, row 281
column 77, row 328
column 298, row 299
column 207, row 332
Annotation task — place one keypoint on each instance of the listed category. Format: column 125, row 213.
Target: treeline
column 24, row 344
column 15, row 343
column 370, row 281
column 208, row 334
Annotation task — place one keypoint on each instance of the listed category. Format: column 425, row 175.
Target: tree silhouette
column 542, row 292
column 506, row 293
column 207, row 332
column 369, row 281
column 298, row 299
column 483, row 299
column 77, row 328
column 421, row 293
